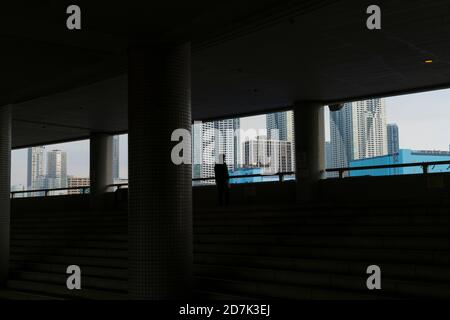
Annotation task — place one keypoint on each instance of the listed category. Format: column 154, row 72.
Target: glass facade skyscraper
column 358, row 131
column 35, row 166
column 116, row 157
column 56, row 169
column 217, row 137
column 393, row 138
column 280, row 126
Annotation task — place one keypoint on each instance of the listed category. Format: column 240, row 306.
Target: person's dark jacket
column 221, row 174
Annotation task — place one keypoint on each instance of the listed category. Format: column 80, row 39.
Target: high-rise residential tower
column 393, row 138
column 116, row 158
column 220, row 137
column 35, row 166
column 328, row 158
column 56, row 169
column 358, row 131
column 280, row 126
column 197, row 129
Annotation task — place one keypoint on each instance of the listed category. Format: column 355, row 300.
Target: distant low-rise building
column 273, row 156
column 402, row 157
column 75, row 182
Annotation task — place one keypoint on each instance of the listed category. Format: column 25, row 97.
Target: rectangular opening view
column 257, row 148
column 400, row 135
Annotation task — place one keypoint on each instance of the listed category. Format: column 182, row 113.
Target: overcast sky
column 423, row 120
column 77, row 160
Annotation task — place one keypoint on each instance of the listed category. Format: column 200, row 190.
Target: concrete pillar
column 309, row 148
column 160, row 192
column 101, row 167
column 5, row 189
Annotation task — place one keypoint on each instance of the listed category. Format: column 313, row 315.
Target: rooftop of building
column 412, row 152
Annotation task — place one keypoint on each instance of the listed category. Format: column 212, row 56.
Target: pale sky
column 423, row 120
column 77, row 160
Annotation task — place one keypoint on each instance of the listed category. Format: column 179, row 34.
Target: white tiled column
column 160, row 192
column 101, row 167
column 309, row 148
column 5, row 189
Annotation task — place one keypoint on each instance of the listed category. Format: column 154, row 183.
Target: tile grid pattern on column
column 5, row 186
column 160, row 203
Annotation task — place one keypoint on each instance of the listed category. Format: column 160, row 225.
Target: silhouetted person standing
column 222, row 180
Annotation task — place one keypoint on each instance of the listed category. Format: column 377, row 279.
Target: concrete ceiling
column 248, row 57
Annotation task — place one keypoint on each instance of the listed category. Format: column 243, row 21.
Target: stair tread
column 310, row 252
column 9, row 294
column 62, row 291
column 261, row 290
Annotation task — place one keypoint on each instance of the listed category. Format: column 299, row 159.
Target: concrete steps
column 324, row 252
column 106, row 230
column 438, row 274
column 92, row 271
column 43, row 245
column 75, row 236
column 289, row 252
column 344, row 282
column 362, row 230
column 61, row 291
column 62, row 243
column 20, row 295
column 71, row 260
column 406, row 209
column 74, row 251
column 369, row 242
column 263, row 290
column 377, row 255
column 90, row 282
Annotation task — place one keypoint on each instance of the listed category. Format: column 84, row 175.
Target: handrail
column 83, row 190
column 424, row 165
column 119, row 186
column 280, row 176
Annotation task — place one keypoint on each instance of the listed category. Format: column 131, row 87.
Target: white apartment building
column 273, row 155
column 358, row 131
column 56, row 169
column 35, row 168
column 220, row 137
